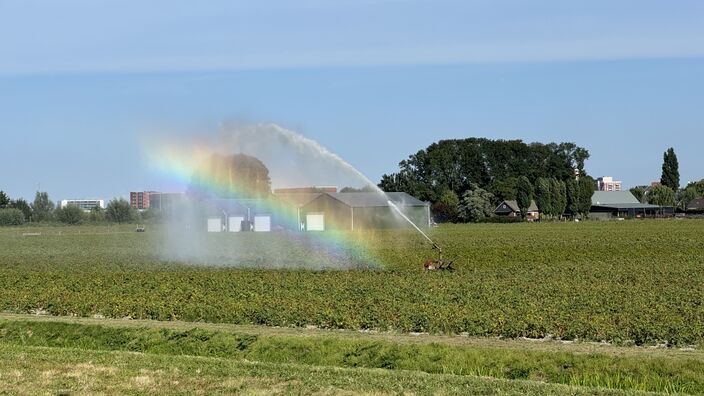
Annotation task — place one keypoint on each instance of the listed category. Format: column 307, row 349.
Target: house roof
column 608, row 198
column 696, row 204
column 513, row 205
column 628, row 206
column 372, row 199
column 298, row 199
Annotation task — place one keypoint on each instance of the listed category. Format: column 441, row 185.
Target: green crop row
column 632, row 282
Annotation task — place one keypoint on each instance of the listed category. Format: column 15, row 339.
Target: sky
column 82, row 82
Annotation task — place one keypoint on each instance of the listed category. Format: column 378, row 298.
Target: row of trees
column 465, row 179
column 493, row 165
column 43, row 210
column 669, row 193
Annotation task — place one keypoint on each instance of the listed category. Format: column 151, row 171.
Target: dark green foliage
column 524, row 194
column 42, row 207
column 119, row 211
column 686, row 196
column 22, row 205
column 504, row 190
column 477, row 205
column 586, row 190
column 11, row 217
column 446, row 209
column 639, row 193
column 96, row 215
column 670, row 170
column 698, row 187
column 231, row 176
column 559, row 197
column 543, row 196
column 71, row 214
column 455, row 164
column 661, row 195
column 4, row 200
column 572, row 196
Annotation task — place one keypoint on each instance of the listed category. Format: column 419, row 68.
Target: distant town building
column 140, row 199
column 143, row 200
column 163, row 200
column 84, row 204
column 655, row 183
column 607, row 183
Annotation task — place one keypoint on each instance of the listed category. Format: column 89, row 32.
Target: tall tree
column 559, row 197
column 524, row 195
column 4, row 200
column 586, row 190
column 572, row 195
column 42, row 207
column 543, row 197
column 670, row 170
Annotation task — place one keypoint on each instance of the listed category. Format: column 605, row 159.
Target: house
column 510, row 208
column 696, row 205
column 363, row 210
column 608, row 205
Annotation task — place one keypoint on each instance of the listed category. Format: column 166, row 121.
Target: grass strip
column 41, row 370
column 684, row 374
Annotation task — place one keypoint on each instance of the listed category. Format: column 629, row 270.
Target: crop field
column 633, row 285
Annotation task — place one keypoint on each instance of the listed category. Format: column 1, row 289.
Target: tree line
column 465, row 179
column 43, row 210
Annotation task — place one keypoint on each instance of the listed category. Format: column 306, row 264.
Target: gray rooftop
column 370, row 199
column 610, row 198
column 628, row 206
column 297, row 199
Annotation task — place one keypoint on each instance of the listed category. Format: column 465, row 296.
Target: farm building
column 235, row 215
column 362, row 210
column 608, row 205
column 696, row 205
column 510, row 208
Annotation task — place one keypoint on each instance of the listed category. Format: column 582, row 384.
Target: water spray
column 429, row 264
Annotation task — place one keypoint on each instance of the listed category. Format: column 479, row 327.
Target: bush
column 119, row 211
column 71, row 214
column 10, row 217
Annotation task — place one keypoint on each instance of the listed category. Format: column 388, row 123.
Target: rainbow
column 212, row 186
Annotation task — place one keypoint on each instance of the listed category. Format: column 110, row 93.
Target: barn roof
column 374, row 199
column 607, row 198
column 297, row 199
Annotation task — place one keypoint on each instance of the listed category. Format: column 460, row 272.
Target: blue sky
column 81, row 82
